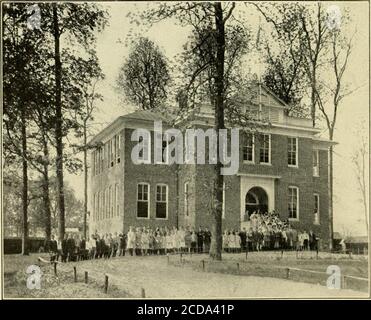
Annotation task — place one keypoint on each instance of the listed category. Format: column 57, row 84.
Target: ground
column 162, row 277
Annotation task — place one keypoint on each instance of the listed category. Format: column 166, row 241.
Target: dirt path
column 162, row 281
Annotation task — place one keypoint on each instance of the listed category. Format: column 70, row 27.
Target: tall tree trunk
column 313, row 98
column 85, row 180
column 46, row 194
column 216, row 246
column 58, row 122
column 25, row 247
column 330, row 193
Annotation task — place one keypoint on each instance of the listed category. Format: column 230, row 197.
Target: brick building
column 283, row 167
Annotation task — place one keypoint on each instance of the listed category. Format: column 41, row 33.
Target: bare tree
column 360, row 161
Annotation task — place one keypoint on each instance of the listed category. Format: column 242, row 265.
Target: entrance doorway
column 256, row 200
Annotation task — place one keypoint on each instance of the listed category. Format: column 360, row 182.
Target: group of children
column 265, row 232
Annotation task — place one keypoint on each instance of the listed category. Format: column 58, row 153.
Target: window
column 145, row 152
column 293, row 203
column 113, row 152
column 186, row 199
column 143, row 200
column 248, row 149
column 223, row 204
column 101, row 151
column 161, row 201
column 117, row 201
column 164, row 155
column 292, row 151
column 316, row 163
column 108, row 205
column 112, row 202
column 316, row 208
column 265, row 149
column 99, row 204
column 118, row 147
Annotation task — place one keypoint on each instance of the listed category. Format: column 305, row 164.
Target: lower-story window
column 143, row 200
column 293, row 206
column 316, row 208
column 161, row 201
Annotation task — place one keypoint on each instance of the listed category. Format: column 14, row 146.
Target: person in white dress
column 131, row 241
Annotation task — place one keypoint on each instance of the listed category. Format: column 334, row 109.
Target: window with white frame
column 118, row 147
column 161, row 201
column 186, row 199
column 265, row 149
column 113, row 204
column 144, row 155
column 143, row 200
column 316, row 208
column 293, row 205
column 248, row 148
column 316, row 163
column 117, row 201
column 292, row 151
column 107, row 203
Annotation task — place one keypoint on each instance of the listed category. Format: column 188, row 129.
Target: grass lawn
column 305, row 267
column 262, row 274
column 52, row 287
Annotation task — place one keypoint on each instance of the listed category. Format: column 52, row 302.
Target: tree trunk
column 58, row 123
column 216, row 246
column 85, row 181
column 313, row 98
column 364, row 191
column 330, row 195
column 46, row 195
column 25, row 248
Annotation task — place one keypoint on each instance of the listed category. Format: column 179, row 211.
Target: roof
column 358, row 239
column 146, row 115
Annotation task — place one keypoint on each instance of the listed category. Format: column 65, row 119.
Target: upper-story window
column 118, row 147
column 316, row 163
column 163, row 151
column 292, row 151
column 293, row 205
column 248, row 148
column 265, row 149
column 143, row 200
column 161, row 201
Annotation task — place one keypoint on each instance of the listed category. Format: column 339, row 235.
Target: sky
column 353, row 116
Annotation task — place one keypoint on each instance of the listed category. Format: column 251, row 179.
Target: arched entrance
column 256, row 199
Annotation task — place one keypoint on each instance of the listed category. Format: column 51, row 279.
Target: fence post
column 74, row 274
column 350, row 254
column 203, row 265
column 287, row 273
column 143, row 293
column 168, row 259
column 86, row 277
column 105, row 284
column 317, row 254
column 281, row 254
column 343, row 283
column 238, row 267
column 247, row 250
column 296, row 253
column 181, row 257
column 55, row 268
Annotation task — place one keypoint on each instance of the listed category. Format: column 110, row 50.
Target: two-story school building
column 282, row 166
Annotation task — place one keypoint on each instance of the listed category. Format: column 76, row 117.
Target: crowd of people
column 266, row 231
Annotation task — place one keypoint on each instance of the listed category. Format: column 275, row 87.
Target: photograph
column 179, row 150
